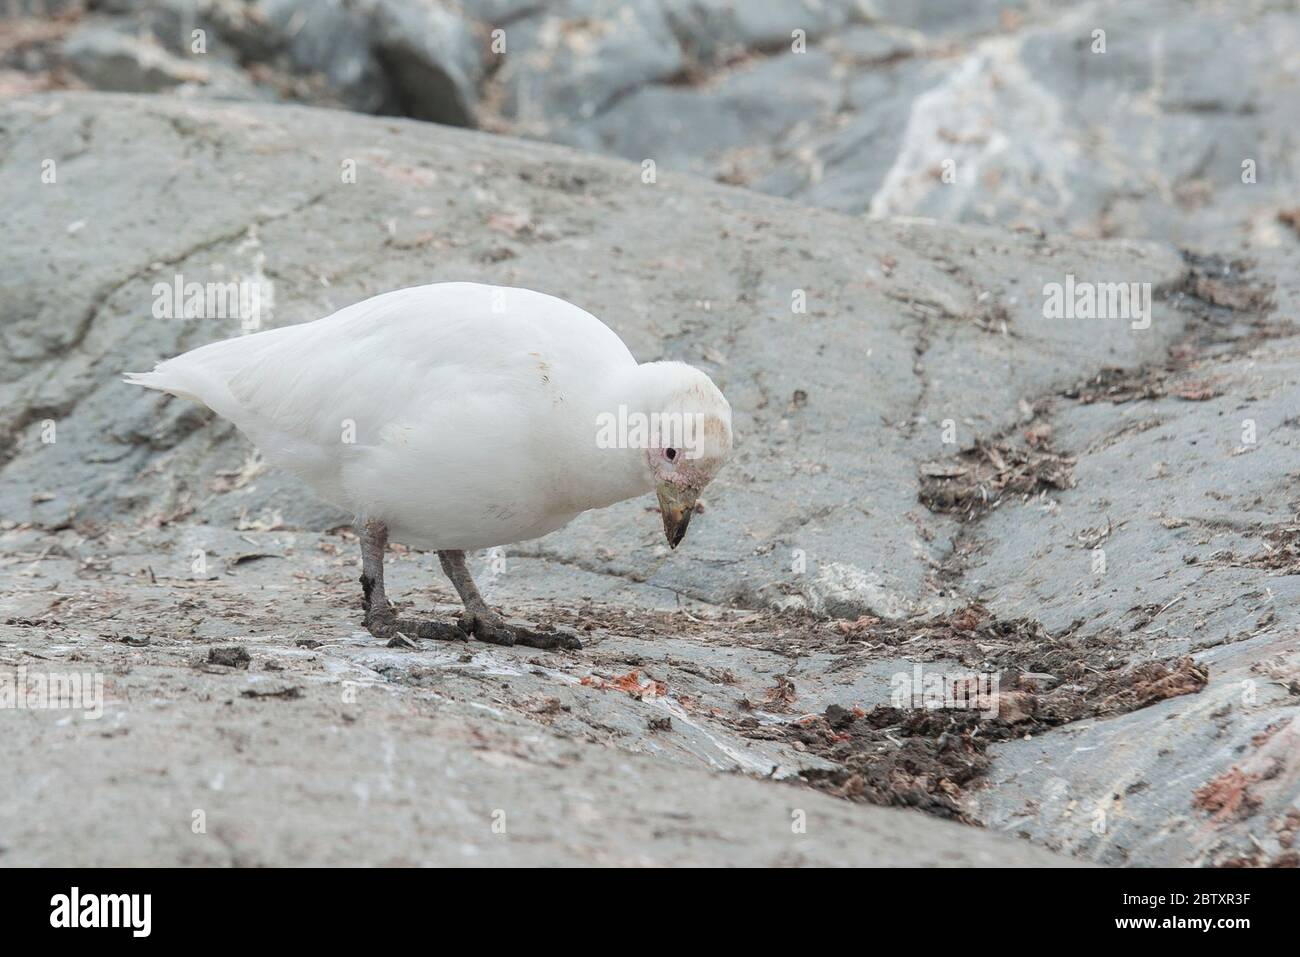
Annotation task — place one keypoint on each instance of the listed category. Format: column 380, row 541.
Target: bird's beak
column 677, row 505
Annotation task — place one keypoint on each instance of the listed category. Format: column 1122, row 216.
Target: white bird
column 458, row 416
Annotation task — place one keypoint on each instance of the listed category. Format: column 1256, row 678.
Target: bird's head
column 689, row 441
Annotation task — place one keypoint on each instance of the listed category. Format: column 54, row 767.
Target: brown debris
column 780, row 696
column 892, row 757
column 1116, row 385
column 1197, row 391
column 1155, row 681
column 927, row 758
column 1281, row 552
column 979, row 477
column 1232, row 294
column 629, row 683
column 1288, row 827
column 1220, row 282
column 232, row 656
column 277, row 691
column 857, row 627
column 1228, row 796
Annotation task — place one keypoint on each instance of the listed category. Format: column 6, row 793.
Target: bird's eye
column 670, row 454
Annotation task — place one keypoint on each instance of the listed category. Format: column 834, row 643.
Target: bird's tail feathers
column 150, row 380
column 187, row 380
column 159, row 381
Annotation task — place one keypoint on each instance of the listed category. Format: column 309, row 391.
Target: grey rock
column 836, row 165
column 415, row 59
column 909, row 329
column 841, row 590
column 951, row 19
column 713, row 31
column 706, row 131
column 374, row 766
column 497, row 12
column 39, row 8
column 684, row 309
column 432, row 61
column 1150, row 137
column 574, row 63
column 111, row 60
column 334, row 38
column 865, row 44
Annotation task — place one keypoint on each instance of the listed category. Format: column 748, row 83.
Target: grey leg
column 374, row 540
column 484, row 623
column 454, row 567
column 380, row 618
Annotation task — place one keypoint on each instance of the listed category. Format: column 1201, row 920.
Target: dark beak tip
column 678, row 534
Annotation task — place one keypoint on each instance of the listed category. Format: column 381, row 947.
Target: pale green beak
column 677, row 505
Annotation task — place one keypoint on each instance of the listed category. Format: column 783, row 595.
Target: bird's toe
column 431, row 630
column 550, row 640
column 490, row 629
column 399, row 632
column 493, row 629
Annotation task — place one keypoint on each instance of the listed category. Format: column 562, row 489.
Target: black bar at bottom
column 334, row 907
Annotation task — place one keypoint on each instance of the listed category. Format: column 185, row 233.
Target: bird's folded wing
column 367, row 372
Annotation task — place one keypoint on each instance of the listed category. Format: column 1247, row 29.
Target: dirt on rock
column 1226, row 283
column 232, row 656
column 1227, row 796
column 980, row 477
column 1279, row 551
column 1118, row 385
column 931, row 745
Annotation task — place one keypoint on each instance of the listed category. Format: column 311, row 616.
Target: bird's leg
column 380, row 618
column 454, row 567
column 374, row 602
column 484, row 623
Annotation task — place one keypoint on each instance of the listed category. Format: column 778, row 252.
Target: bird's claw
column 399, row 631
column 492, row 630
column 431, row 630
column 495, row 631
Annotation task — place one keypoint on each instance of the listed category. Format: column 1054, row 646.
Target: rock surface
column 1166, row 119
column 921, row 455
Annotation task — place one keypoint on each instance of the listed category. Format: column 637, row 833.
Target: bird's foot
column 493, row 629
column 399, row 632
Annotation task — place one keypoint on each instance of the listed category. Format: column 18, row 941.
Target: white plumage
column 460, row 415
